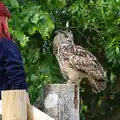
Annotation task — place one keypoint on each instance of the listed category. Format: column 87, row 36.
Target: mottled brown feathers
column 76, row 62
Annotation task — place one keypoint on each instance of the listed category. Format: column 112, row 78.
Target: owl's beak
column 70, row 40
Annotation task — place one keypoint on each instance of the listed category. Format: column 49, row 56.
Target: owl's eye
column 65, row 35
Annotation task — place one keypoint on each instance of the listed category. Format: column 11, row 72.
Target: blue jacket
column 12, row 74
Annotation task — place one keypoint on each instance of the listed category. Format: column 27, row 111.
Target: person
column 12, row 73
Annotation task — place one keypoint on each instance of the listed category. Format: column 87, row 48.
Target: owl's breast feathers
column 82, row 60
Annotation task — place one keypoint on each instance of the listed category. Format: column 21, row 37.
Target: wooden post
column 61, row 101
column 14, row 105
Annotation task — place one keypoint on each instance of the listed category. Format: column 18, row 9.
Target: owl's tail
column 98, row 85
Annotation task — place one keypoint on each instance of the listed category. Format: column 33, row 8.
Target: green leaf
column 26, row 19
column 117, row 50
column 32, row 30
column 109, row 54
column 111, row 58
column 34, row 77
column 60, row 3
column 114, row 61
column 119, row 61
column 85, row 107
column 31, row 89
column 35, row 18
column 112, row 77
column 99, row 102
column 82, row 116
column 73, row 8
column 14, row 3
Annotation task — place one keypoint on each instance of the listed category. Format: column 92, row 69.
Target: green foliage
column 27, row 20
column 101, row 17
column 40, row 70
column 14, row 3
column 95, row 24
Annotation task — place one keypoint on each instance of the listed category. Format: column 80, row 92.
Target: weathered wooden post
column 14, row 105
column 61, row 101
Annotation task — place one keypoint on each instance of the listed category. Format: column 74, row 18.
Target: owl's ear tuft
column 69, row 31
column 58, row 31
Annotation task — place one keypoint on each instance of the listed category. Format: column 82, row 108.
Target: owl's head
column 63, row 37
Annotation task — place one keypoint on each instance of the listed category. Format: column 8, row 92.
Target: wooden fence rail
column 61, row 102
column 14, row 107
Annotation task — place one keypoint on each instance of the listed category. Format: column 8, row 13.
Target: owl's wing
column 82, row 60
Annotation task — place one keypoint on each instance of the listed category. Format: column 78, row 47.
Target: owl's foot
column 68, row 82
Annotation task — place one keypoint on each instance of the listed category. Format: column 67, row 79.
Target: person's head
column 4, row 16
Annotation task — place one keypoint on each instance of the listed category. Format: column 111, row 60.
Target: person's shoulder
column 8, row 44
column 5, row 40
column 5, row 44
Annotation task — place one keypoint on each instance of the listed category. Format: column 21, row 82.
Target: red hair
column 4, row 16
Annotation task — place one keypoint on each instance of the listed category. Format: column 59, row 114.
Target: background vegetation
column 96, row 26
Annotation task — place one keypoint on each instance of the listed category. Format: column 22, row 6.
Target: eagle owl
column 76, row 62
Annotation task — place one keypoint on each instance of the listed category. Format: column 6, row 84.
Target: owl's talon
column 68, row 82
